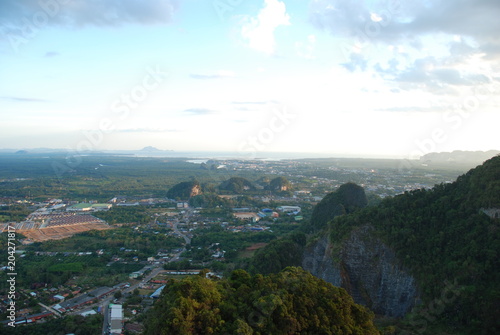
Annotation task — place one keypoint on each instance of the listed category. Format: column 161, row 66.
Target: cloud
column 259, row 31
column 435, row 46
column 356, row 61
column 21, row 99
column 199, row 111
column 407, row 109
column 146, row 130
column 306, row 49
column 78, row 13
column 250, row 102
column 51, row 54
column 217, row 75
column 393, row 21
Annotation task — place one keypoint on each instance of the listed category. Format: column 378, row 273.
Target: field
column 56, row 233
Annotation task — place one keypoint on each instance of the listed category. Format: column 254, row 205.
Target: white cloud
column 213, row 75
column 259, row 31
column 306, row 49
column 78, row 13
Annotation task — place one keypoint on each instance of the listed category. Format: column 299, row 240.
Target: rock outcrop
column 367, row 268
column 185, row 190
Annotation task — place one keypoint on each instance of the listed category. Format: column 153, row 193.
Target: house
column 247, row 216
column 288, row 209
column 493, row 213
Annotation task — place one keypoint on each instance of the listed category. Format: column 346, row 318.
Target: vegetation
column 236, row 185
column 279, row 254
column 443, row 237
column 280, row 184
column 348, row 198
column 290, row 302
column 184, row 190
column 75, row 324
column 112, row 241
column 122, row 214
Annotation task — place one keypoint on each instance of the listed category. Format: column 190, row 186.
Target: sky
column 355, row 78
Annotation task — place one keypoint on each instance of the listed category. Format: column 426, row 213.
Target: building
column 157, row 293
column 116, row 319
column 253, row 217
column 85, row 207
column 289, row 209
column 493, row 213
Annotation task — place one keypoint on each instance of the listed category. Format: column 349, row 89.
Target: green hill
column 345, row 200
column 290, row 302
column 445, row 239
column 236, row 185
column 280, row 184
column 184, row 190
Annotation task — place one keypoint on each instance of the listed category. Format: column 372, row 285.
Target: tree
column 290, row 302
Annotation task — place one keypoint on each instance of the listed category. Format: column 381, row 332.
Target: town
column 81, row 254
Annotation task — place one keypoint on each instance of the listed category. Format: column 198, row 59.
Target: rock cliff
column 367, row 268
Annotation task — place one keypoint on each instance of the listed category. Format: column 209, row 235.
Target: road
column 177, row 231
column 50, row 309
column 154, row 272
column 105, row 313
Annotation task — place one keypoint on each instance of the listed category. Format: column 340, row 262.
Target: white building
column 286, row 209
column 116, row 323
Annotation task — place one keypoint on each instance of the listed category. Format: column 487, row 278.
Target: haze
column 362, row 78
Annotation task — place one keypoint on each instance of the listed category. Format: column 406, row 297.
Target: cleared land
column 39, row 228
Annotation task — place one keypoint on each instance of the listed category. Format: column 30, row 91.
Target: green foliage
column 207, row 201
column 279, row 254
column 348, row 198
column 123, row 214
column 442, row 236
column 236, row 185
column 111, row 241
column 76, row 324
column 184, row 190
column 290, row 302
column 66, row 267
column 280, row 184
column 15, row 212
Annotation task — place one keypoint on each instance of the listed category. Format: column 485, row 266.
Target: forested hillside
column 184, row 190
column 348, row 198
column 236, row 185
column 446, row 240
column 290, row 302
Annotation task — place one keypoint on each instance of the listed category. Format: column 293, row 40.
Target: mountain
column 236, row 185
column 458, row 157
column 429, row 255
column 150, row 149
column 280, row 184
column 289, row 302
column 184, row 190
column 348, row 198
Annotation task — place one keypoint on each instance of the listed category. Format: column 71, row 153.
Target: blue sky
column 342, row 78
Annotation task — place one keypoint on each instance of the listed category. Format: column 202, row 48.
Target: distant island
column 458, row 156
column 152, row 149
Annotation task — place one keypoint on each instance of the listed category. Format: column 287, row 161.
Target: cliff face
column 195, row 190
column 367, row 269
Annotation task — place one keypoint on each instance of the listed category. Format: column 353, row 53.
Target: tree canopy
column 345, row 200
column 443, row 236
column 290, row 302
